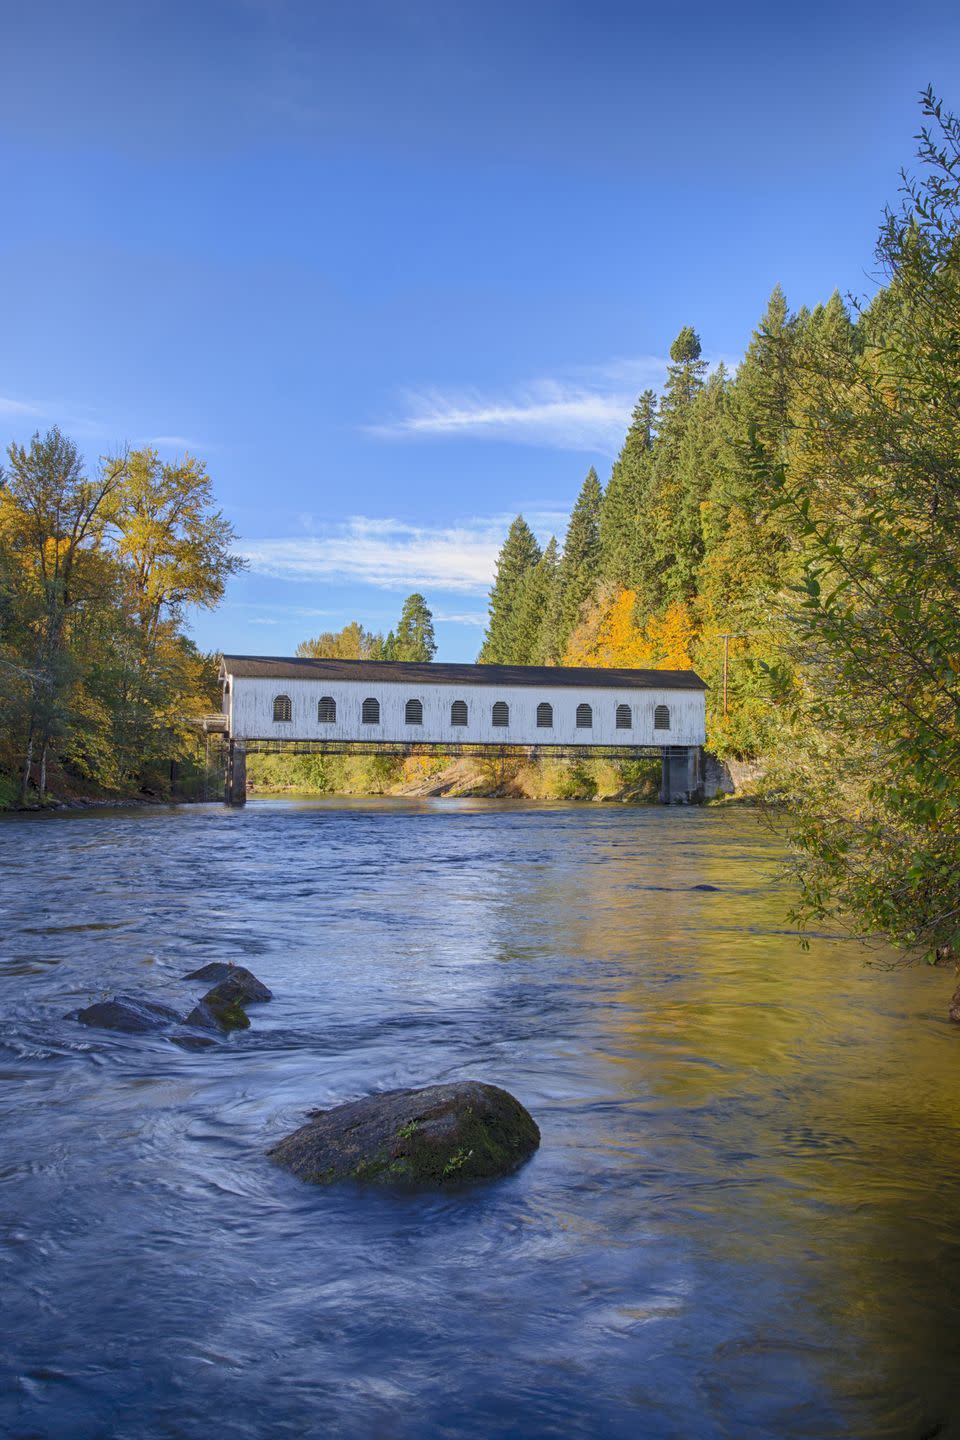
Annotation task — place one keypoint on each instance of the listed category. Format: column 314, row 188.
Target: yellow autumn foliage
column 608, row 635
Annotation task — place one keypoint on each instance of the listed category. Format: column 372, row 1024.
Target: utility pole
column 726, row 638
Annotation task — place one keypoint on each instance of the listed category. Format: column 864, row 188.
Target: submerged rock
column 954, row 1011
column 442, row 1135
column 193, row 1042
column 246, row 987
column 129, row 1013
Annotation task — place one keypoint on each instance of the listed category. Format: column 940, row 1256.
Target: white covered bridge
column 307, row 706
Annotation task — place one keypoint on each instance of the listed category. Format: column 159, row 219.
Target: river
column 744, row 1218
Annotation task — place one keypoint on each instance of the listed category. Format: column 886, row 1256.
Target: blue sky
column 398, row 270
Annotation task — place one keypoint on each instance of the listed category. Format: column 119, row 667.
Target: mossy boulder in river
column 222, row 1008
column 210, row 1015
column 443, row 1135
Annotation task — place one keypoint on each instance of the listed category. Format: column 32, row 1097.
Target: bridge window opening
column 501, row 714
column 661, row 718
column 584, row 717
column 282, row 708
column 544, row 716
column 327, row 710
column 370, row 712
column 413, row 713
column 458, row 712
column 624, row 718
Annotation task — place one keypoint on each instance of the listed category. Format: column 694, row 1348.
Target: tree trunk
column 43, row 769
column 27, row 763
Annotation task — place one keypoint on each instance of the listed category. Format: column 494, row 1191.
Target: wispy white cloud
column 308, row 612
column 389, row 554
column 548, row 413
column 72, row 420
column 175, row 442
column 585, row 408
column 78, row 421
column 9, row 406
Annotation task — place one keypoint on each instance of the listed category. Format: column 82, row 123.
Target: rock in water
column 248, row 989
column 222, row 1007
column 954, row 1011
column 219, row 1009
column 128, row 1013
column 442, row 1135
column 216, row 970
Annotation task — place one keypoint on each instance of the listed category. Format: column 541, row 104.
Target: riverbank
column 421, row 777
column 64, row 793
column 418, row 777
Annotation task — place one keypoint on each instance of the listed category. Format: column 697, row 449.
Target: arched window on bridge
column 458, row 712
column 282, row 709
column 584, row 717
column 661, row 718
column 501, row 714
column 327, row 710
column 624, row 718
column 413, row 713
column 370, row 712
column 544, row 716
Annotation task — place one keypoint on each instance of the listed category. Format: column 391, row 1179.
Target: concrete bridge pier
column 235, row 786
column 681, row 780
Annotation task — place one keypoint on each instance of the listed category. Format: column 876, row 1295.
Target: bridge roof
column 277, row 667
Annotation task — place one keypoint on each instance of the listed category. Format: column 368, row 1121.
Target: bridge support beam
column 235, row 787
column 680, row 776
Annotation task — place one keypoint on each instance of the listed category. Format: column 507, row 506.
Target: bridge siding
column 251, row 713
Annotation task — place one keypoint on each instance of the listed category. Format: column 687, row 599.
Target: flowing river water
column 744, row 1218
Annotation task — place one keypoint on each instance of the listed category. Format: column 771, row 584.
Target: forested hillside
column 680, row 548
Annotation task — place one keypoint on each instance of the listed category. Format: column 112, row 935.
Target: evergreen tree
column 519, row 554
column 382, row 647
column 622, row 532
column 534, row 631
column 580, row 565
column 667, row 560
column 746, row 549
column 415, row 638
column 699, row 457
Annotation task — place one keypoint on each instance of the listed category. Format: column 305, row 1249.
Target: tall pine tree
column 519, row 555
column 622, row 532
column 665, row 562
column 744, row 544
column 580, row 566
column 415, row 638
column 536, row 617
